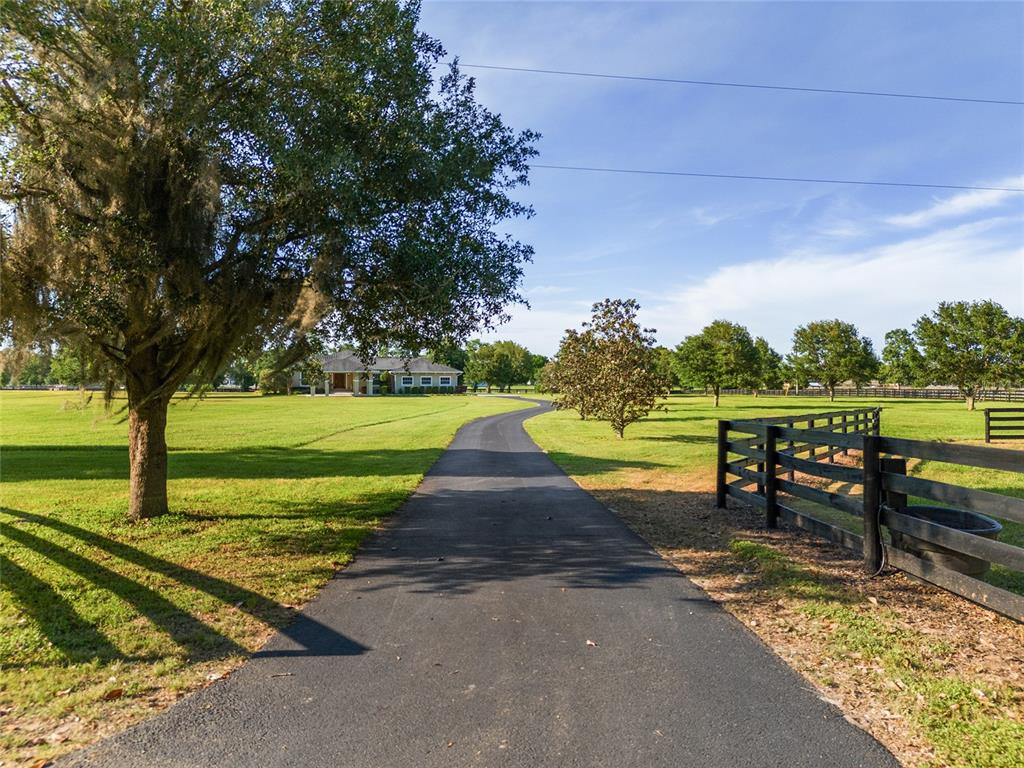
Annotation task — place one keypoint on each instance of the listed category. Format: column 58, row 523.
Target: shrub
column 383, row 389
column 273, row 382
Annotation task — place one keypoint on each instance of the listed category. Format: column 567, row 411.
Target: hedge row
column 425, row 391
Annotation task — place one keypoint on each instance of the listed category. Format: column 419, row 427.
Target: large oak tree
column 830, row 352
column 971, row 345
column 186, row 179
column 722, row 355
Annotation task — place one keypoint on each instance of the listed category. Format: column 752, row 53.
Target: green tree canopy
column 902, row 361
column 609, row 369
column 501, row 364
column 189, row 178
column 971, row 345
column 665, row 365
column 721, row 356
column 830, row 352
column 770, row 373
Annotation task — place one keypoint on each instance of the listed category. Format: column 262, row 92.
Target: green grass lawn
column 102, row 620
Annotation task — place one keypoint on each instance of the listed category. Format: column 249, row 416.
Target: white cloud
column 959, row 205
column 878, row 288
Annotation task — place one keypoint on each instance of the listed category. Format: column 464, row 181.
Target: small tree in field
column 612, row 367
column 902, row 361
column 722, row 355
column 830, row 352
column 971, row 345
column 189, row 179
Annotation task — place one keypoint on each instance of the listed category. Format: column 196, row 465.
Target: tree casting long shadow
column 79, row 641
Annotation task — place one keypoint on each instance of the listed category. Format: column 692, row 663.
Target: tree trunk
column 970, row 402
column 832, row 394
column 717, row 392
column 147, row 452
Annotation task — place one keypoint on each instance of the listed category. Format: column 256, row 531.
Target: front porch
column 361, row 383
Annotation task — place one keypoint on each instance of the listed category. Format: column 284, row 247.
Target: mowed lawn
column 675, row 449
column 102, row 620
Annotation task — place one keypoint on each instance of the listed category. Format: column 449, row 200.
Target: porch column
column 327, row 384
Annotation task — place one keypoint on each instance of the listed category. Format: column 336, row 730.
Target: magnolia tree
column 971, row 345
column 609, row 369
column 722, row 355
column 187, row 179
column 830, row 352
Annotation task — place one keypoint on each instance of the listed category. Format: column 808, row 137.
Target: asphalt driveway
column 505, row 619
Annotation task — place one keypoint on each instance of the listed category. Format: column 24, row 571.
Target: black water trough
column 959, row 519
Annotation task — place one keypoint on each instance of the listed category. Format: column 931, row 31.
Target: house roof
column 347, row 361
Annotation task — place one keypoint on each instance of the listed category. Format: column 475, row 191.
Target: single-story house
column 345, row 372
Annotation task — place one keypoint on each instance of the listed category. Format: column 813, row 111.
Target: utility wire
column 775, row 178
column 722, row 84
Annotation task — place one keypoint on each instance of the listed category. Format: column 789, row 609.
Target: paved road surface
column 506, row 619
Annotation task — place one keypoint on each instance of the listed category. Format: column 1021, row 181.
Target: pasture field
column 938, row 680
column 102, row 621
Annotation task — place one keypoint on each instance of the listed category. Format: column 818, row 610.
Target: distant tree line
column 499, row 364
column 968, row 345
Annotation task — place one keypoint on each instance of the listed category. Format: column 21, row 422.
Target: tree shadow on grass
column 55, row 616
column 105, row 462
column 692, row 439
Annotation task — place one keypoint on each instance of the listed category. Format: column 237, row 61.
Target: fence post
column 878, row 422
column 846, row 451
column 988, row 425
column 771, row 479
column 723, row 459
column 872, row 499
column 810, row 425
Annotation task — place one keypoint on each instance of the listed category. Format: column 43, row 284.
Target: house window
column 407, row 381
column 446, row 381
column 425, row 381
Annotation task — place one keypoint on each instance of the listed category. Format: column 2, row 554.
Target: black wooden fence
column 877, row 492
column 1006, row 424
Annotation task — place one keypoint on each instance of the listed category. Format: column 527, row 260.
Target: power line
column 761, row 86
column 775, row 178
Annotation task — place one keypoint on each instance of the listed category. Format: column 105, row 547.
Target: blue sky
column 767, row 254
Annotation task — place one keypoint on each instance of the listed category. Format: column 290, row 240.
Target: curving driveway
column 505, row 619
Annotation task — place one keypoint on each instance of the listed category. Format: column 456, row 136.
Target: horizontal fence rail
column 769, row 461
column 1004, row 424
